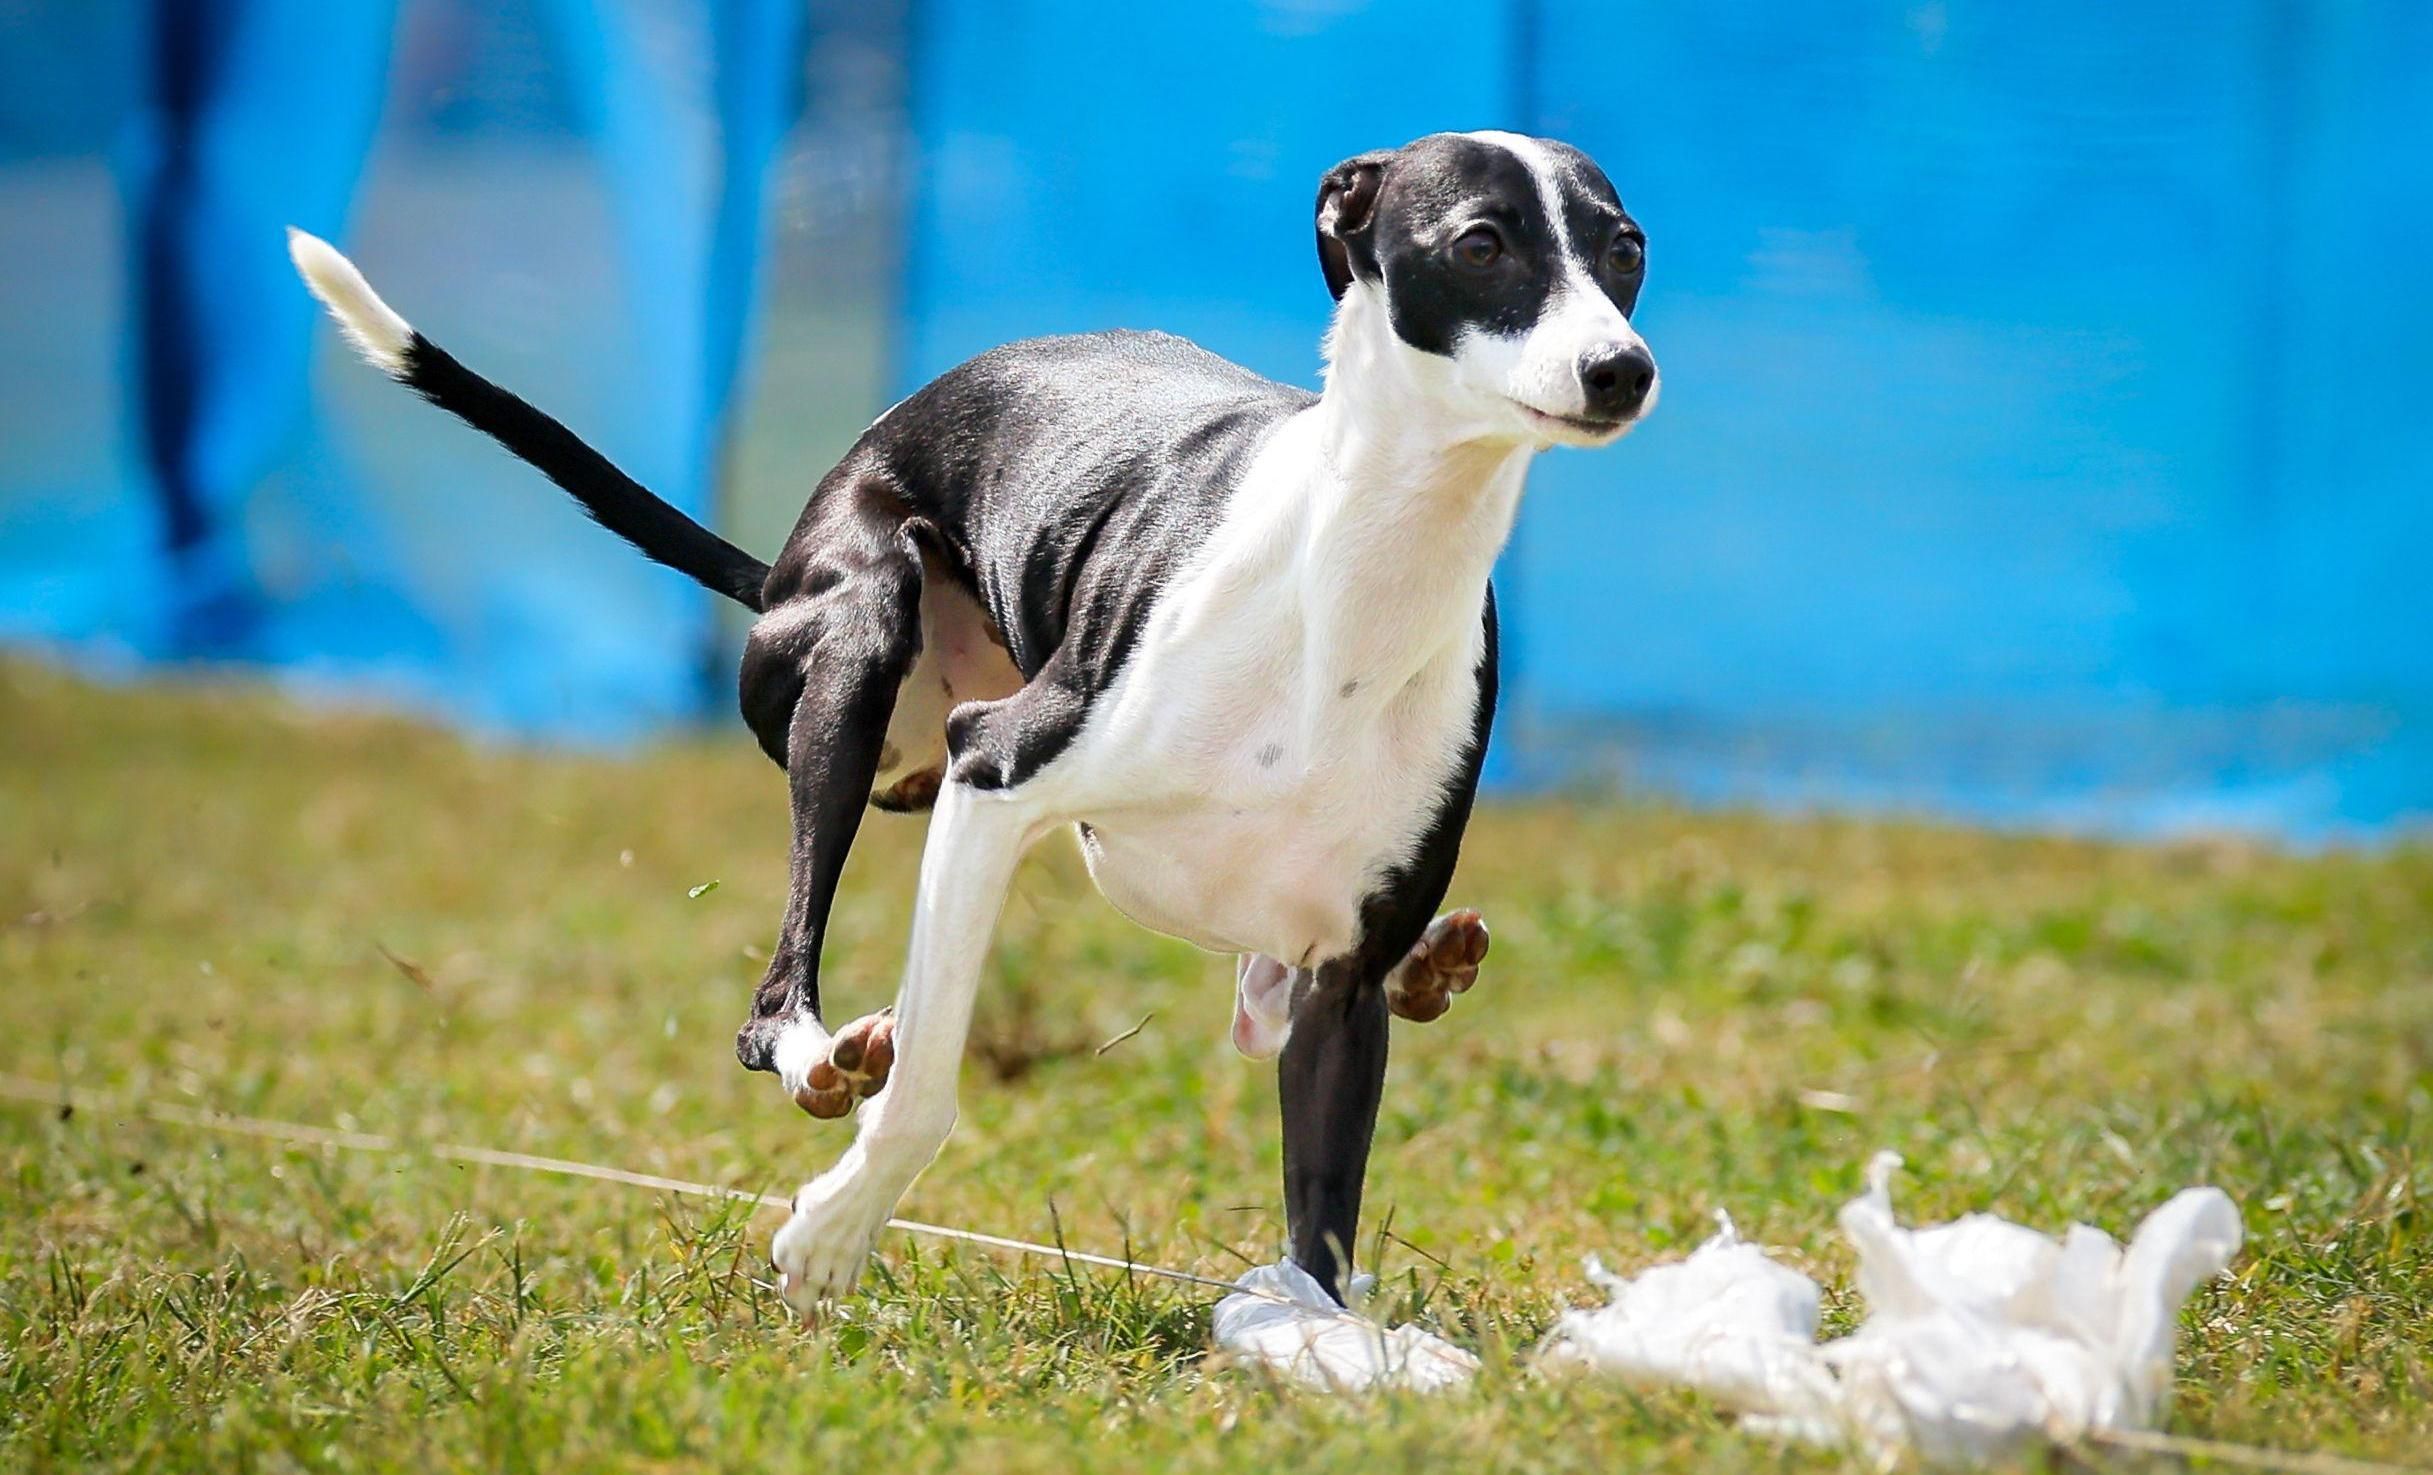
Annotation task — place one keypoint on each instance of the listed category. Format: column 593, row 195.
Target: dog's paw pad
column 1444, row 962
column 855, row 1068
column 863, row 1053
column 825, row 1093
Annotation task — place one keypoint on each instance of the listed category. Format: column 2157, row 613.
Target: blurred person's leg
column 759, row 58
column 761, row 48
column 687, row 184
column 257, row 115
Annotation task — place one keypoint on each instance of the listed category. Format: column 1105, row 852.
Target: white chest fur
column 1302, row 696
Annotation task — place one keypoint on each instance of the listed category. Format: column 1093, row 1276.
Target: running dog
column 1237, row 638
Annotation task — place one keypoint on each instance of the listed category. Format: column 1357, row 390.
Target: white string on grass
column 46, row 1093
column 2254, row 1457
column 43, row 1093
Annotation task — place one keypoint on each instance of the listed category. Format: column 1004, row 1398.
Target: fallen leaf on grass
column 415, row 973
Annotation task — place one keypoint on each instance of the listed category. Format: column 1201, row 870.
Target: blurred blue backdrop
column 2041, row 439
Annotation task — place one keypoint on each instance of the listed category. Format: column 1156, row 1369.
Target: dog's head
column 1508, row 266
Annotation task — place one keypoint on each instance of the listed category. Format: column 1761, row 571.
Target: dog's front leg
column 975, row 840
column 1330, row 1077
column 1332, row 1071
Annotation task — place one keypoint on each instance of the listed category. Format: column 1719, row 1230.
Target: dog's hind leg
column 1330, row 1077
column 821, row 673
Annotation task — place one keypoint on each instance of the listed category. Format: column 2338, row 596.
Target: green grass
column 200, row 896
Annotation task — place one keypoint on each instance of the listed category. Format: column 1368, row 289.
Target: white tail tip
column 374, row 327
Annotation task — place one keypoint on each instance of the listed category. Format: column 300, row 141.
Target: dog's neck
column 1396, row 442
column 1411, row 500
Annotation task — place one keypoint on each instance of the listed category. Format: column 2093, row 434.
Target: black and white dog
column 1238, row 638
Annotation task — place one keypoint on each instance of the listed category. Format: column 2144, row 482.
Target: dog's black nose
column 1615, row 380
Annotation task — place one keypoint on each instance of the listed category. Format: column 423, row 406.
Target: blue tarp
column 2040, row 438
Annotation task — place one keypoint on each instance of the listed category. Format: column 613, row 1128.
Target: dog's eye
column 1477, row 247
column 1626, row 255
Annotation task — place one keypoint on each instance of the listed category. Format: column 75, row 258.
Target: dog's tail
column 616, row 501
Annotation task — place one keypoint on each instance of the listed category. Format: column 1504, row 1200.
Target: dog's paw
column 1444, row 962
column 854, row 1069
column 820, row 1251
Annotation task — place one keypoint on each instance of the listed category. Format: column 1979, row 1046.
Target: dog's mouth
column 1579, row 425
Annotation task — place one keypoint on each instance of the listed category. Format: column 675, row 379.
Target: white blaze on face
column 1541, row 367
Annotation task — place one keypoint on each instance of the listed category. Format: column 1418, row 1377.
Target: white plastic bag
column 1981, row 1334
column 1727, row 1321
column 1283, row 1319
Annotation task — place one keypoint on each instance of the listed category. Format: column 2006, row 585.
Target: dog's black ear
column 1347, row 207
